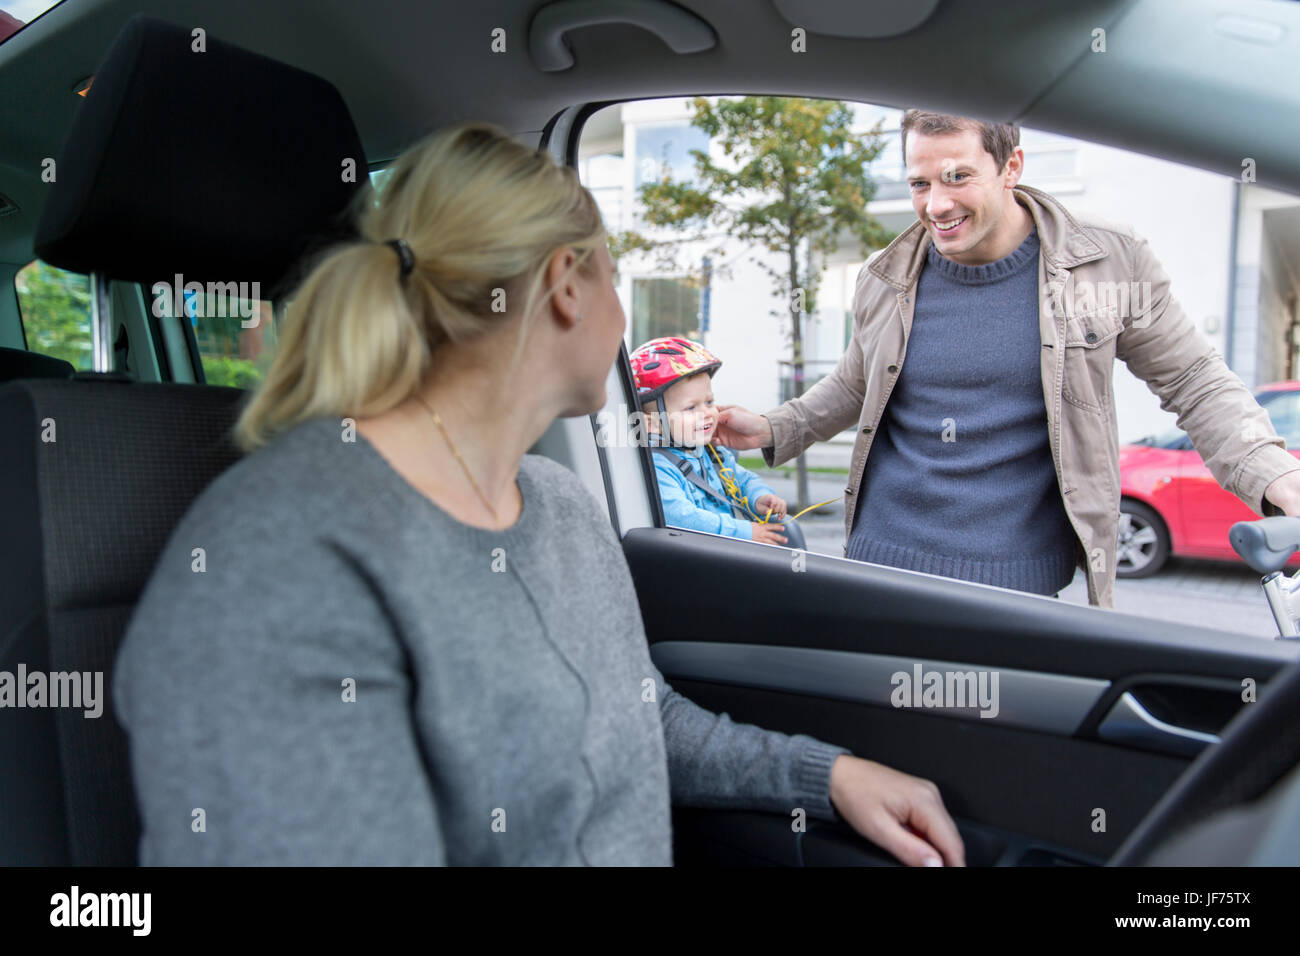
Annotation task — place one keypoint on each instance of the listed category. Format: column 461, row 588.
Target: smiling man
column 992, row 455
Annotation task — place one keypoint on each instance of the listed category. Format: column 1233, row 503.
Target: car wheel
column 1143, row 541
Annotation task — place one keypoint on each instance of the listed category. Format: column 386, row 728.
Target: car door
column 1097, row 712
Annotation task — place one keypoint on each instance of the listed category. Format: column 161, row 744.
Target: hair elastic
column 403, row 253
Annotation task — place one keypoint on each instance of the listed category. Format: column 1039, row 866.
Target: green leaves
column 55, row 308
column 793, row 175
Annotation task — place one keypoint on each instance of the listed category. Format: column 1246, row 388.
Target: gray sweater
column 355, row 677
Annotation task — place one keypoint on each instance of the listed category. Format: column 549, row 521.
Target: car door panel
column 1049, row 769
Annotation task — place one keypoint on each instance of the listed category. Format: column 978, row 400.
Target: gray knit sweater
column 355, row 677
column 960, row 480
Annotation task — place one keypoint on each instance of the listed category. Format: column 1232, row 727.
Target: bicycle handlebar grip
column 1267, row 544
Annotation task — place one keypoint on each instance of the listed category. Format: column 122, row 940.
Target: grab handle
column 683, row 31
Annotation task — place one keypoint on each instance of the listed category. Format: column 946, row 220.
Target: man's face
column 960, row 195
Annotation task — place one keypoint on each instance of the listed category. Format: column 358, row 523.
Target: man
column 994, row 455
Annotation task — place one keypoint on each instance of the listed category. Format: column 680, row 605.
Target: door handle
column 1128, row 722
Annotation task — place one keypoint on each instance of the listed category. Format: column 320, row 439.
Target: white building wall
column 1266, row 285
column 1186, row 216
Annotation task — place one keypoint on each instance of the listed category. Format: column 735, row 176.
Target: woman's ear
column 566, row 297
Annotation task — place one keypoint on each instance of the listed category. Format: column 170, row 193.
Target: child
column 674, row 383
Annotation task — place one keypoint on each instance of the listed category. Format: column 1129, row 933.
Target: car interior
column 1119, row 740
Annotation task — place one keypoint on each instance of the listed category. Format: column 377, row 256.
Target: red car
column 1170, row 502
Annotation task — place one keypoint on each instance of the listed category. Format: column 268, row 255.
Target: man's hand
column 897, row 812
column 741, row 429
column 1285, row 493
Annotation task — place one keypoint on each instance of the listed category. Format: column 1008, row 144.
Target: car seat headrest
column 191, row 156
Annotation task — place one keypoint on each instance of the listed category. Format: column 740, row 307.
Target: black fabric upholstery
column 222, row 166
column 87, row 516
column 19, row 363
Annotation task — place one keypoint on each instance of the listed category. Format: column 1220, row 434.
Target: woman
column 388, row 635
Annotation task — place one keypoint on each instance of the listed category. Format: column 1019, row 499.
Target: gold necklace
column 468, row 474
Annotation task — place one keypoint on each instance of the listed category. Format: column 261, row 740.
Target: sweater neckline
column 1008, row 265
column 395, row 479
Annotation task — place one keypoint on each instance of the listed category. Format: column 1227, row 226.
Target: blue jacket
column 687, row 506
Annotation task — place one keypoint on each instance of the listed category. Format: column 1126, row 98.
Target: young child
column 674, row 383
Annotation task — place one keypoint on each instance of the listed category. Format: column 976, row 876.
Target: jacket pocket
column 1090, row 358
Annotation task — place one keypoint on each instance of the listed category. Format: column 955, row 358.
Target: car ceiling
column 1205, row 82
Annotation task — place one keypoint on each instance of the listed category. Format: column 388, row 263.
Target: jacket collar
column 1063, row 242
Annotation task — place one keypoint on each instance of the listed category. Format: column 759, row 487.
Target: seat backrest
column 19, row 363
column 97, row 473
column 98, row 468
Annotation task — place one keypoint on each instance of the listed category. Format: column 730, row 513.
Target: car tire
column 1143, row 541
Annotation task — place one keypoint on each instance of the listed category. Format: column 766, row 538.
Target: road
column 1214, row 594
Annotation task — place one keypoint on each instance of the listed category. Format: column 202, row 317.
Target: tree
column 794, row 182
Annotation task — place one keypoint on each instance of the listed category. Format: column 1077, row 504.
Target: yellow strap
column 818, row 505
column 733, row 492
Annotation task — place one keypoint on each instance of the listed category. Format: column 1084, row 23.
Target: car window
column 692, row 262
column 1284, row 412
column 1172, row 439
column 55, row 308
column 235, row 331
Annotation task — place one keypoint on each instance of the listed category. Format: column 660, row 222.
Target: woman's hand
column 897, row 812
column 741, row 429
column 777, row 505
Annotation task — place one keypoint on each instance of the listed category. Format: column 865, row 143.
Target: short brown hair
column 999, row 139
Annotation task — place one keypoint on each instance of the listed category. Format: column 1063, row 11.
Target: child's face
column 692, row 416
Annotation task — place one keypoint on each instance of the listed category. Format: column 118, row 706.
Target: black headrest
column 19, row 363
column 221, row 165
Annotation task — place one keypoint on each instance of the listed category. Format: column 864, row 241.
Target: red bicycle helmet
column 665, row 361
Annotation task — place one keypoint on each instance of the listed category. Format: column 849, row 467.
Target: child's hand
column 768, row 533
column 770, row 501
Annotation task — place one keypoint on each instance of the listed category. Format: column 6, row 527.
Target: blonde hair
column 482, row 215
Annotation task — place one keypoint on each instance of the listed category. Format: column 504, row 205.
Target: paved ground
column 1212, row 594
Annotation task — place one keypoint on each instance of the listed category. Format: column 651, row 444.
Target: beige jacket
column 1103, row 295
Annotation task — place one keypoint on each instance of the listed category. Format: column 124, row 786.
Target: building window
column 666, row 150
column 664, row 307
column 603, row 177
